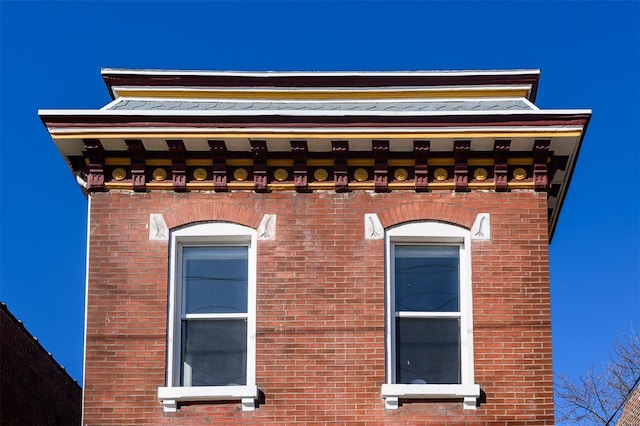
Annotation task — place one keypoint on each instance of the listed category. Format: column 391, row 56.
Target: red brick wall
column 320, row 308
column 631, row 413
column 34, row 389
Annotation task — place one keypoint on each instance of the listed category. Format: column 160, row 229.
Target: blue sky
column 50, row 58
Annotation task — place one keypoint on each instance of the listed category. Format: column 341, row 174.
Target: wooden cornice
column 341, row 169
column 114, row 120
column 291, row 145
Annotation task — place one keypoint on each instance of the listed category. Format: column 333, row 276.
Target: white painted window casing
column 430, row 233
column 204, row 235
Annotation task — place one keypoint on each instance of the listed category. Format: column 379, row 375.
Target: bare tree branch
column 597, row 397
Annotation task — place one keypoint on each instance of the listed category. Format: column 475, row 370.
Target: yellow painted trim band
column 482, row 185
column 441, row 162
column 321, row 185
column 397, row 162
column 239, row 162
column 117, row 161
column 361, row 185
column 317, row 186
column 159, row 185
column 114, row 185
column 241, row 185
column 333, row 135
column 200, row 186
column 444, row 185
column 319, row 162
column 402, row 185
column 281, row 186
column 324, row 94
column 158, row 162
column 520, row 161
column 520, row 185
column 283, row 162
column 199, row 162
column 480, row 162
column 361, row 162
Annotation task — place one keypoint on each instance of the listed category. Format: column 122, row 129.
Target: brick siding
column 320, row 308
column 34, row 389
column 631, row 412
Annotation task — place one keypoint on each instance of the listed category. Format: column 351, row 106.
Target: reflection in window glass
column 214, row 353
column 428, row 350
column 426, row 278
column 214, row 279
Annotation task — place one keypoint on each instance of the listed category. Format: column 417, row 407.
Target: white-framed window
column 429, row 337
column 211, row 330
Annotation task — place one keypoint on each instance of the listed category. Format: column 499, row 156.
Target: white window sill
column 393, row 393
column 170, row 396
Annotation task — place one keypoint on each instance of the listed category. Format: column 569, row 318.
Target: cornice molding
column 322, row 131
column 323, row 80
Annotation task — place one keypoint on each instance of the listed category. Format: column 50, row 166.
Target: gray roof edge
column 162, row 72
column 109, row 112
column 318, row 106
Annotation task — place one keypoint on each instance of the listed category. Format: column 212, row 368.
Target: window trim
column 429, row 232
column 210, row 233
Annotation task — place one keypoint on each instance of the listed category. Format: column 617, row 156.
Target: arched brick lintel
column 224, row 212
column 441, row 212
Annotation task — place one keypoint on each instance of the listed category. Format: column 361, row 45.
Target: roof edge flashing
column 267, row 74
column 305, row 79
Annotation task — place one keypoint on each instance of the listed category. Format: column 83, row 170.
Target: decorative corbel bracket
column 500, row 168
column 136, row 152
column 540, row 171
column 178, row 165
column 259, row 154
column 299, row 152
column 340, row 176
column 95, row 153
column 219, row 157
column 380, row 170
column 421, row 152
column 558, row 162
column 461, row 170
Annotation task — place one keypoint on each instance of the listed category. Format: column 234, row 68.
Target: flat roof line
column 160, row 72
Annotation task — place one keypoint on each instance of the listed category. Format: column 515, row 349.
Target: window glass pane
column 427, row 278
column 214, row 353
column 427, row 350
column 214, row 279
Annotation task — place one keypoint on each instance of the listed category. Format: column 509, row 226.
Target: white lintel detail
column 158, row 230
column 481, row 229
column 373, row 229
column 267, row 227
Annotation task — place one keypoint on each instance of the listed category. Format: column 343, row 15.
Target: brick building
column 631, row 412
column 313, row 248
column 34, row 388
